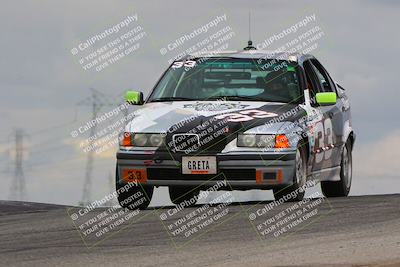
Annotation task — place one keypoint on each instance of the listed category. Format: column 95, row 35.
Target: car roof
column 252, row 54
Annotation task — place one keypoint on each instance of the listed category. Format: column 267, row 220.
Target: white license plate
column 199, row 165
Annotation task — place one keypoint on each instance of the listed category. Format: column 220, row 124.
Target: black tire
column 179, row 195
column 341, row 188
column 294, row 191
column 125, row 197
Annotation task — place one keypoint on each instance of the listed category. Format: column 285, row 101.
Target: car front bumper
column 244, row 170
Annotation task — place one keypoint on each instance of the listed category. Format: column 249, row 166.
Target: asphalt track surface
column 354, row 231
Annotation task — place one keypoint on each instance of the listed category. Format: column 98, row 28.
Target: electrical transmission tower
column 97, row 100
column 18, row 187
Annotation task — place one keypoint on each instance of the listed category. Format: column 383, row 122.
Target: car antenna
column 250, row 42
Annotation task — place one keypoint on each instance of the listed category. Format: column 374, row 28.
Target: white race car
column 253, row 119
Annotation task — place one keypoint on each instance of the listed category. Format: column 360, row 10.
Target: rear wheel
column 133, row 196
column 341, row 188
column 179, row 195
column 295, row 192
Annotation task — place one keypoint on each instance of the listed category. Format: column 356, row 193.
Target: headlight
column 143, row 140
column 139, row 139
column 156, row 139
column 256, row 140
column 246, row 140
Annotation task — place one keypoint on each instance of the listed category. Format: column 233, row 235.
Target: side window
column 311, row 79
column 323, row 77
column 310, row 86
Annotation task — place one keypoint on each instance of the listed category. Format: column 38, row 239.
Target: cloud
column 379, row 159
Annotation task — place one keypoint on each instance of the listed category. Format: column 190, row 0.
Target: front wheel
column 295, row 192
column 341, row 188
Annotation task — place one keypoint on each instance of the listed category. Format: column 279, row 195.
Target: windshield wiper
column 236, row 97
column 171, row 98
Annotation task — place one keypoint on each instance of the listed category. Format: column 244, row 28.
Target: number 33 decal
column 324, row 139
column 187, row 64
column 246, row 115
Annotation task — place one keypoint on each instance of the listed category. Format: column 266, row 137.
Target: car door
column 328, row 131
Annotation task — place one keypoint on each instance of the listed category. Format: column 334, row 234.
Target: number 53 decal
column 246, row 115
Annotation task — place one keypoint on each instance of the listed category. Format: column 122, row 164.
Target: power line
column 57, row 126
column 97, row 100
column 50, row 128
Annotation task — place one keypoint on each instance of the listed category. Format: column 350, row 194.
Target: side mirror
column 134, row 97
column 325, row 99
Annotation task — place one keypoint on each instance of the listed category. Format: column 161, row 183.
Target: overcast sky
column 41, row 81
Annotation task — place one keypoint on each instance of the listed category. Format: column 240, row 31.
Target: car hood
column 181, row 116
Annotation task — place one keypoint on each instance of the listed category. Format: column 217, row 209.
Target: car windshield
column 231, row 79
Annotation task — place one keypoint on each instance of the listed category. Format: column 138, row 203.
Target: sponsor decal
column 214, row 107
column 246, row 115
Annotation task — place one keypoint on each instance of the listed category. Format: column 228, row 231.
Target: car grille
column 217, row 145
column 175, row 174
column 189, row 143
